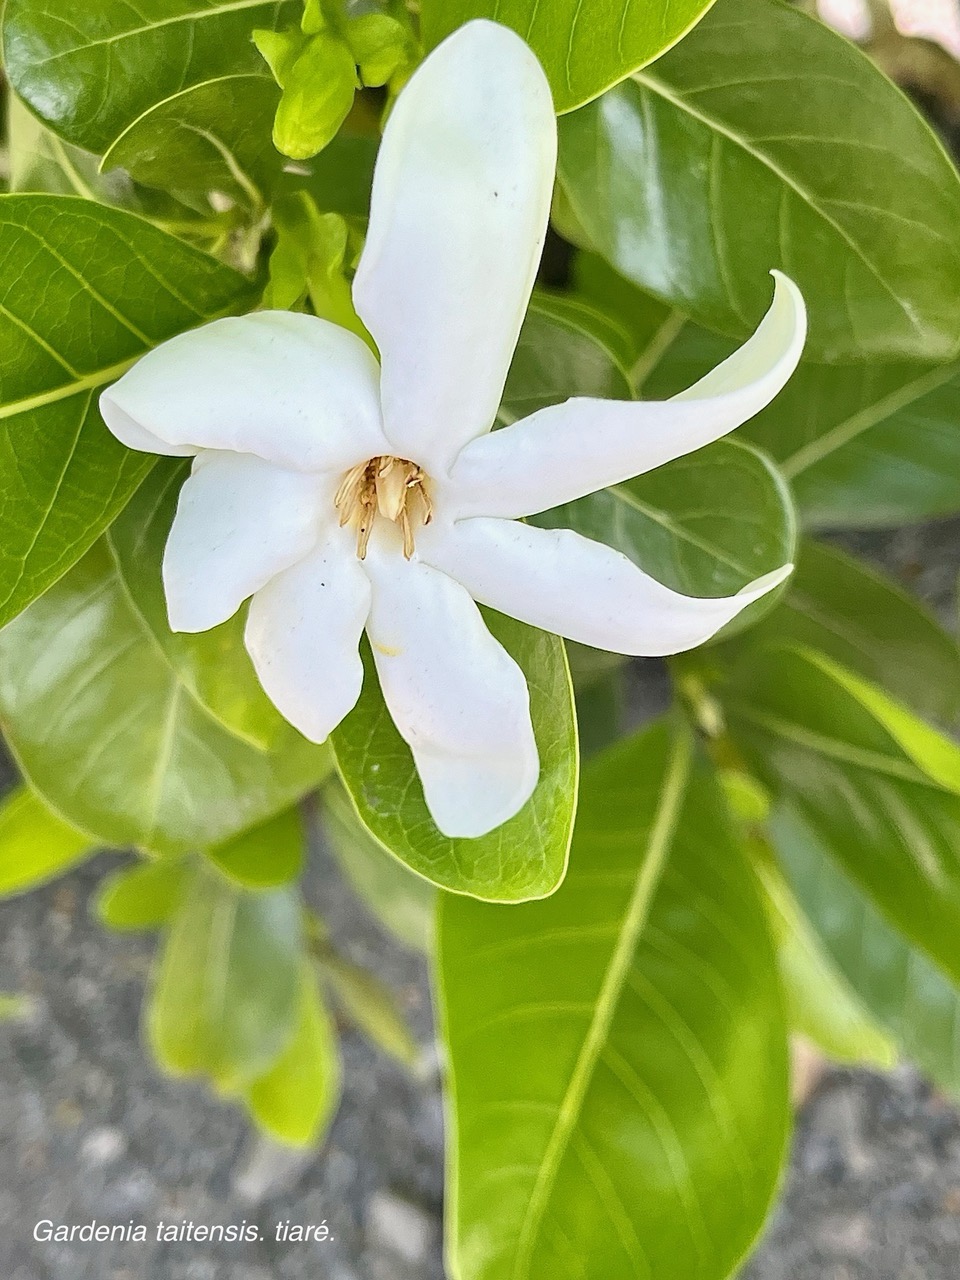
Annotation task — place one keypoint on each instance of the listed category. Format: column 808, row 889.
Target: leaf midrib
column 675, row 779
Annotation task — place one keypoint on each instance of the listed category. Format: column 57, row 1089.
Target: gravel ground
column 90, row 1130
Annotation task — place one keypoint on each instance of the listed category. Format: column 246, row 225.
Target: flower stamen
column 394, row 488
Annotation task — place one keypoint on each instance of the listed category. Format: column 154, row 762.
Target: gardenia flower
column 345, row 494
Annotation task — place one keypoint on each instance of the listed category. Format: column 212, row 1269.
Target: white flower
column 344, row 495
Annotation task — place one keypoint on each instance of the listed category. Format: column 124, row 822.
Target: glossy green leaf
column 522, row 859
column 706, row 524
column 144, row 896
column 144, row 53
column 109, row 734
column 226, row 991
column 617, row 1053
column 585, row 45
column 403, row 902
column 85, row 291
column 213, row 666
column 264, row 856
column 36, row 845
column 213, row 136
column 295, row 1100
column 864, row 621
column 701, row 173
column 876, row 785
column 821, row 1004
column 904, row 990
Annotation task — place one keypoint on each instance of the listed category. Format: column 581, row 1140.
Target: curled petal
column 567, row 450
column 292, row 389
column 560, row 581
column 239, row 522
column 303, row 634
column 457, row 697
column 461, row 197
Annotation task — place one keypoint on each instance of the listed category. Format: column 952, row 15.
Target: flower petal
column 560, row 581
column 303, row 634
column 239, row 522
column 461, row 197
column 565, row 451
column 293, row 389
column 457, row 697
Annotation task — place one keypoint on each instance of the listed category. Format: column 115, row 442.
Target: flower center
column 389, row 487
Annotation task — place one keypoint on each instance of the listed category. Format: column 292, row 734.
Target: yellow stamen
column 390, row 487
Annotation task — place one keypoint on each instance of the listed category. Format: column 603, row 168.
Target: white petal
column 457, row 697
column 461, row 197
column 565, row 451
column 239, row 522
column 559, row 581
column 303, row 634
column 293, row 389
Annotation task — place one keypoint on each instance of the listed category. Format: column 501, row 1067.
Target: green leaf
column 340, row 178
column 110, row 287
column 265, row 856
column 522, row 859
column 617, row 1053
column 226, row 990
column 403, row 902
column 864, row 621
column 700, row 174
column 821, row 1004
column 905, row 991
column 144, row 896
column 879, row 787
column 318, row 92
column 585, row 45
column 211, row 137
column 110, row 735
column 706, row 524
column 370, row 1005
column 143, row 53
column 213, row 665
column 295, row 1100
column 862, row 445
column 36, row 845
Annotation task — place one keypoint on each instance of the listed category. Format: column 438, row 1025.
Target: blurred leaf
column 144, row 54
column 264, row 856
column 601, row 711
column 699, row 174
column 864, row 621
column 36, row 845
column 368, row 1004
column 227, row 986
column 879, row 787
column 617, row 1053
column 585, row 45
column 340, row 178
column 524, row 858
column 213, row 666
column 111, row 287
column 13, row 1006
column 108, row 732
column 144, row 896
column 904, row 990
column 210, row 137
column 296, row 1099
column 403, row 902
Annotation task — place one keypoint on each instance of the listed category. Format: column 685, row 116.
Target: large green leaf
column 63, row 67
column 522, row 859
column 617, row 1053
column 701, row 173
column 867, row 623
column 585, row 45
column 107, row 731
column 212, row 137
column 36, row 845
column 225, row 995
column 85, row 291
column 879, row 787
column 905, row 991
column 214, row 665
